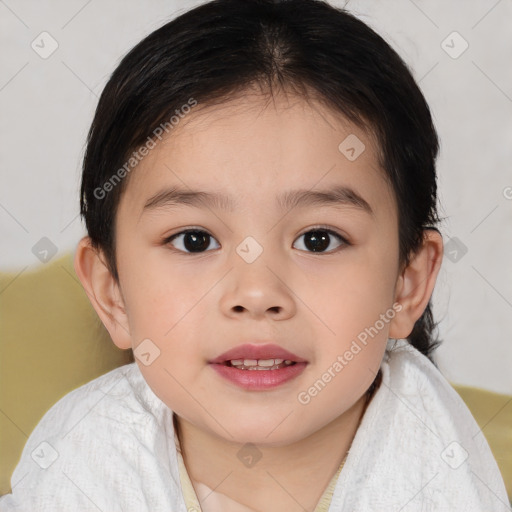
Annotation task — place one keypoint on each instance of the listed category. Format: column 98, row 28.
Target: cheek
column 171, row 307
column 167, row 309
column 341, row 383
column 358, row 316
column 356, row 306
column 161, row 298
column 356, row 294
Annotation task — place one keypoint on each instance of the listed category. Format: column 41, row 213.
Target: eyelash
column 345, row 242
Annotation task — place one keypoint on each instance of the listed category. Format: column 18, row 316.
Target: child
column 259, row 192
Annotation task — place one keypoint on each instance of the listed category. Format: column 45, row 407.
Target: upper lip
column 254, row 351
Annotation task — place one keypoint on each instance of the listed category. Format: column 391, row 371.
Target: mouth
column 257, row 356
column 259, row 364
column 256, row 367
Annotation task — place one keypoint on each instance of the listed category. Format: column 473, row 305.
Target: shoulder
column 423, row 396
column 421, row 384
column 420, row 431
column 99, row 437
column 417, row 446
column 118, row 394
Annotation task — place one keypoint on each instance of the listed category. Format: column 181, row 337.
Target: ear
column 103, row 292
column 415, row 284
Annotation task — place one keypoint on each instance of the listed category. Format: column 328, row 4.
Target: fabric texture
column 109, row 445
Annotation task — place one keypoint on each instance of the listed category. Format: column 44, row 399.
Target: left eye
column 318, row 239
column 197, row 240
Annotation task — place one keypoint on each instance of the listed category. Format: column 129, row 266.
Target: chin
column 275, row 434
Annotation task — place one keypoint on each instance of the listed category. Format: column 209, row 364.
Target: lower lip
column 255, row 380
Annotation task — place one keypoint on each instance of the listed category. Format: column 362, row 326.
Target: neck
column 290, row 477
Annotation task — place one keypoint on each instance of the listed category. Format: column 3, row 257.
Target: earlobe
column 416, row 283
column 103, row 292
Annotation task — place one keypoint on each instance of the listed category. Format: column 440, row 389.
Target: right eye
column 190, row 241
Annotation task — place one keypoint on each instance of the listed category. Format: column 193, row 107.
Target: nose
column 258, row 291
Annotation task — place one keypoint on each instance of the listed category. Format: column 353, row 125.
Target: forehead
column 254, row 151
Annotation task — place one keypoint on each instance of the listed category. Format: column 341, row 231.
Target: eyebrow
column 337, row 196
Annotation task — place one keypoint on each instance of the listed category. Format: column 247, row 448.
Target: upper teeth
column 258, row 362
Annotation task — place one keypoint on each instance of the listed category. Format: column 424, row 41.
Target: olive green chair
column 52, row 341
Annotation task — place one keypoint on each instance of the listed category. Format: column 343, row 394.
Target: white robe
column 109, row 446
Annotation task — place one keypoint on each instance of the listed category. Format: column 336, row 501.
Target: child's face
column 196, row 306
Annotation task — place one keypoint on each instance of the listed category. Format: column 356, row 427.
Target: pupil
column 316, row 241
column 196, row 241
